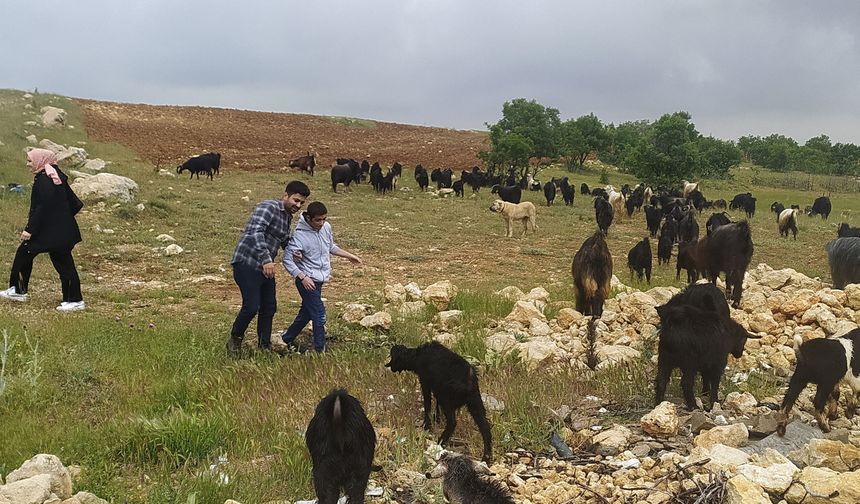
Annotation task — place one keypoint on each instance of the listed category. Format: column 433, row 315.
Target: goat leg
column 450, row 424
column 425, row 392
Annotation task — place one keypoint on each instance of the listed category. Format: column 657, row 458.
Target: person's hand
column 308, row 283
column 25, row 236
column 269, row 270
column 355, row 259
column 297, row 256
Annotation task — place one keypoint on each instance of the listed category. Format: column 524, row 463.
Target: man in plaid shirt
column 267, row 231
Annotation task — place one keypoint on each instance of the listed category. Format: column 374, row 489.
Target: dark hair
column 315, row 209
column 297, row 186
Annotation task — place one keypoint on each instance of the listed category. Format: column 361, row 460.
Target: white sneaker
column 67, row 306
column 14, row 296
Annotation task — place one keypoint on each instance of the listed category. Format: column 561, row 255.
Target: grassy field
column 138, row 390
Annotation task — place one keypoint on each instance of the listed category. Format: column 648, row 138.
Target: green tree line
column 661, row 151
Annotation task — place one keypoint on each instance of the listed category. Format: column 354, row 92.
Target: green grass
column 137, row 389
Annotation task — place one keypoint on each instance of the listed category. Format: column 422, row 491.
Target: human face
column 293, row 202
column 317, row 222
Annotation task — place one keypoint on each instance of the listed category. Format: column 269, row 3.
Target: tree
column 528, row 120
column 510, row 150
column 668, row 152
column 717, row 156
column 623, row 138
column 581, row 136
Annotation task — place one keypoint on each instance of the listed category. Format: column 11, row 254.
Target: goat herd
column 697, row 332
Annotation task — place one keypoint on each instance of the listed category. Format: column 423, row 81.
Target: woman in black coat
column 51, row 228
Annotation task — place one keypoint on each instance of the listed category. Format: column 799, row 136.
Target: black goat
column 205, row 163
column 821, row 206
column 787, row 221
column 845, row 231
column 511, row 194
column 696, row 199
column 592, row 272
column 603, row 214
column 422, row 178
column 584, row 190
column 688, row 228
column 716, row 220
column 599, row 191
column 825, row 362
column 639, row 260
column 720, row 203
column 664, row 248
column 458, row 187
column 341, row 441
column 687, row 261
column 549, row 193
column 843, row 254
column 343, row 174
column 566, row 191
column 652, row 219
column 696, row 335
column 442, row 177
column 729, row 249
column 451, row 380
column 463, row 484
column 777, row 208
column 304, row 163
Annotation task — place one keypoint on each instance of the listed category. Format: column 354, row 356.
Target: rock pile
column 43, row 480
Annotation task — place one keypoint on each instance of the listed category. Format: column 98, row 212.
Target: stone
column 88, row 498
column 173, row 249
column 95, row 164
column 394, row 294
column 51, row 146
column 33, row 490
column 734, row 435
column 775, row 279
column 775, row 479
column 797, row 435
column 568, row 317
column 105, row 186
column 740, row 490
column 413, row 292
column 815, row 485
column 699, row 421
column 740, row 402
column 449, row 318
column 71, row 157
column 538, row 327
column 841, row 457
column 406, row 479
column 164, row 238
column 354, row 312
column 491, row 403
column 662, row 295
column 721, row 457
column 539, row 296
column 501, row 342
column 379, row 320
column 511, row 292
column 762, row 322
column 662, row 421
column 852, row 296
column 31, row 139
column 616, row 354
column 53, row 117
column 43, row 463
column 538, row 350
column 820, row 314
column 412, row 308
column 439, row 294
column 611, row 441
column 524, row 311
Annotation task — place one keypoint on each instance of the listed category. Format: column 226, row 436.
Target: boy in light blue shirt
column 313, row 242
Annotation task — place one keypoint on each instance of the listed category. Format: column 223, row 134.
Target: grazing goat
column 821, row 206
column 462, row 484
column 584, row 190
column 304, row 163
column 603, row 214
column 599, row 191
column 720, row 203
column 648, row 194
column 826, row 362
column 777, row 208
column 341, row 441
column 664, row 248
column 729, row 249
column 689, row 187
column 451, row 380
column 566, row 191
column 639, row 260
column 442, row 177
column 422, row 178
column 843, row 254
column 716, row 220
column 343, row 174
column 653, row 216
column 744, row 202
column 845, row 231
column 696, row 199
column 687, row 261
column 670, row 229
column 511, row 193
column 458, row 187
column 688, row 228
column 696, row 335
column 787, row 221
column 549, row 193
column 617, row 200
column 592, row 272
column 206, row 163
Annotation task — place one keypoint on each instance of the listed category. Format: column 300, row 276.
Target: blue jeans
column 312, row 309
column 258, row 299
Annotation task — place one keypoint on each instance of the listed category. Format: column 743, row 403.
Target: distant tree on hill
column 668, row 152
column 524, row 124
column 581, row 136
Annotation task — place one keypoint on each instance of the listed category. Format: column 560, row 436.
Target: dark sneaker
column 234, row 347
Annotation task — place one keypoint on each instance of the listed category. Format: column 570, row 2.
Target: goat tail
column 591, row 347
column 337, row 427
column 797, row 340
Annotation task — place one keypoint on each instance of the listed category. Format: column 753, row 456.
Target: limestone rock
column 722, row 457
column 449, row 318
column 538, row 327
column 612, row 441
column 734, row 435
column 817, row 485
column 394, row 294
column 820, row 313
column 775, row 279
column 841, row 457
column 763, row 321
column 501, row 342
column 740, row 402
column 740, row 490
column 71, row 157
column 662, row 421
column 94, row 164
column 53, row 117
column 568, row 317
column 413, row 292
column 88, row 498
column 511, row 292
column 173, row 249
column 615, row 354
column 164, row 238
column 524, row 311
column 406, row 479
column 775, row 478
column 105, row 186
column 61, row 479
column 852, row 295
column 412, row 308
column 539, row 350
column 440, row 294
column 379, row 320
column 354, row 312
column 33, row 490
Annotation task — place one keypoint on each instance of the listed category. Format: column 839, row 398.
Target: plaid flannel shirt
column 267, row 230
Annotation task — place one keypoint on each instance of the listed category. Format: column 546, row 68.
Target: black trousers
column 258, row 299
column 22, row 268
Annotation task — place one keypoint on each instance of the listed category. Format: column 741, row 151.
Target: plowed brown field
column 260, row 140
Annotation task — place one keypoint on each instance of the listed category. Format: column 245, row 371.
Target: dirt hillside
column 256, row 140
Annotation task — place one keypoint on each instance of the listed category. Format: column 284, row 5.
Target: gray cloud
column 738, row 67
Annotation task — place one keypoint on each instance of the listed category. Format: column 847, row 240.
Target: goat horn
column 753, row 336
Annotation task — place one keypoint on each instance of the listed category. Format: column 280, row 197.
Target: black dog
column 451, row 380
column 341, row 441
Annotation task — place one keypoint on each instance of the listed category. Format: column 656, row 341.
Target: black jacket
column 51, row 223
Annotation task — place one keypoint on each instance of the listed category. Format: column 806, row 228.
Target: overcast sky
column 738, row 66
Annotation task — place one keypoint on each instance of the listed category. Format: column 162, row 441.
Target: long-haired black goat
column 464, row 485
column 843, row 254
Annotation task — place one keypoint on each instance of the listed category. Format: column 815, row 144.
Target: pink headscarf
column 42, row 159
